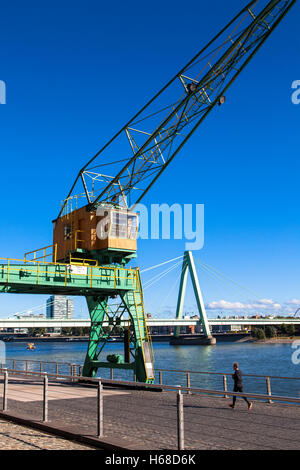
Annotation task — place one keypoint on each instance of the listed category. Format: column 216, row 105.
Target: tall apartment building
column 59, row 307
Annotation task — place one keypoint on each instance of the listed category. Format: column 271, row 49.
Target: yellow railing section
column 71, row 204
column 37, row 268
column 77, row 239
column 83, row 261
column 147, row 336
column 42, row 254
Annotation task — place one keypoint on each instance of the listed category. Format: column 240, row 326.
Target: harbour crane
column 95, row 231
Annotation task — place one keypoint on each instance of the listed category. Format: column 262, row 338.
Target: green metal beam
column 97, row 284
column 39, row 278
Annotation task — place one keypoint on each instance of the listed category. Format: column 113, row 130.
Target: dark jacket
column 237, row 377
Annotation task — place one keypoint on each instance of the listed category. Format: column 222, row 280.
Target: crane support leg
column 136, row 335
column 97, row 308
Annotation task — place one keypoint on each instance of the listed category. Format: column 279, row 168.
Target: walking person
column 238, row 385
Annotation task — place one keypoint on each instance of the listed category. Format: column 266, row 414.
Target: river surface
column 254, row 358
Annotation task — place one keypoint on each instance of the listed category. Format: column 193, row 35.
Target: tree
column 261, row 334
column 270, row 331
column 283, row 329
column 290, row 330
column 66, row 331
column 258, row 333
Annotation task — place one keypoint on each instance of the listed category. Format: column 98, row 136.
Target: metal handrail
column 130, row 274
column 73, row 368
column 168, row 370
column 227, row 374
column 44, row 256
column 176, row 388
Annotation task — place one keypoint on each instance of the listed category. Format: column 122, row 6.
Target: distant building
column 29, row 316
column 19, row 316
column 59, row 307
column 161, row 330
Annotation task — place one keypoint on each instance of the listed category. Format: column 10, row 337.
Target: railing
column 188, row 376
column 77, row 239
column 40, row 391
column 35, row 268
column 82, row 261
column 45, row 255
column 43, row 366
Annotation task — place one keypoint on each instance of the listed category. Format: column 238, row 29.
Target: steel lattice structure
column 146, row 145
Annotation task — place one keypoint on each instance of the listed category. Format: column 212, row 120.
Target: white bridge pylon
column 188, row 265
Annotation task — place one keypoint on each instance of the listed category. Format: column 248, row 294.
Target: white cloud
column 225, row 304
column 261, row 304
column 293, row 302
column 266, row 302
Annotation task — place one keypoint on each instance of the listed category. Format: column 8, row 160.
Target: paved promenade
column 147, row 420
column 16, row 437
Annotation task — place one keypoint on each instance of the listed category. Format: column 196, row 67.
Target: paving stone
column 16, row 437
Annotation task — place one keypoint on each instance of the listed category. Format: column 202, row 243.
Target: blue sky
column 77, row 71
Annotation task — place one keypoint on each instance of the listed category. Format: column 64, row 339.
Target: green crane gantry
column 96, row 229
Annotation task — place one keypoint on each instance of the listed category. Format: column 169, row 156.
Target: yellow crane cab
column 106, row 235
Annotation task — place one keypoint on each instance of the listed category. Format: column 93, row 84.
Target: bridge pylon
column 188, row 265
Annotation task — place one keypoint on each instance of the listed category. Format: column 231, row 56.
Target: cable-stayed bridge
column 82, row 322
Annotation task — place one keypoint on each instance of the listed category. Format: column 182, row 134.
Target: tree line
column 272, row 332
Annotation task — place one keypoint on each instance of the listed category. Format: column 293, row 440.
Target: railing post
column 14, row 364
column 160, row 377
column 71, row 371
column 41, row 367
column 269, row 392
column 56, row 369
column 45, row 398
column 5, row 390
column 26, row 366
column 99, row 410
column 188, row 382
column 111, row 374
column 225, row 385
column 180, row 421
column 73, row 368
column 80, row 371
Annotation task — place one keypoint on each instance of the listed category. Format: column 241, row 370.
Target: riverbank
column 220, row 337
column 284, row 340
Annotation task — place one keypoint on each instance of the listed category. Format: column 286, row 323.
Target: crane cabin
column 107, row 235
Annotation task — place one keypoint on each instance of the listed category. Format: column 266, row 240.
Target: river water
column 254, row 358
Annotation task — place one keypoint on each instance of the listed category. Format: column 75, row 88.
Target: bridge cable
column 161, row 264
column 226, row 278
column 160, row 275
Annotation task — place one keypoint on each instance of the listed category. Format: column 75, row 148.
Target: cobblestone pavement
column 16, row 437
column 145, row 419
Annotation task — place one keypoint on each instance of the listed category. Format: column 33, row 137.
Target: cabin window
column 123, row 225
column 132, row 226
column 67, row 232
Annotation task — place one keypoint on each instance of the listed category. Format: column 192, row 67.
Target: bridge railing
column 106, row 417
